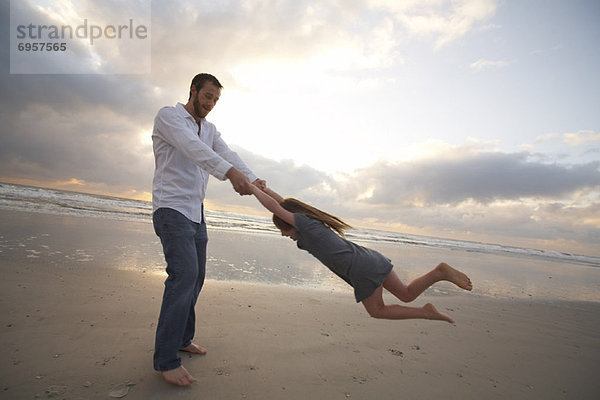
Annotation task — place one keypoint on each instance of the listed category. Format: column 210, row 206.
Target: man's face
column 206, row 99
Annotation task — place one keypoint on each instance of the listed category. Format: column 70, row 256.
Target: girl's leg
column 443, row 272
column 378, row 309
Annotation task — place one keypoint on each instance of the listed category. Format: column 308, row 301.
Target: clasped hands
column 241, row 183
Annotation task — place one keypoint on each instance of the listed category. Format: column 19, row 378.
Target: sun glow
column 146, row 138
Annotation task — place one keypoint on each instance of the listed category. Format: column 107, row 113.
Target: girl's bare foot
column 434, row 314
column 194, row 349
column 179, row 376
column 458, row 278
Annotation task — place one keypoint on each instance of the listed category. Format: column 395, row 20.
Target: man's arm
column 238, row 164
column 223, row 150
column 173, row 130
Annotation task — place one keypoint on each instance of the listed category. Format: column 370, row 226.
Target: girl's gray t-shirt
column 363, row 268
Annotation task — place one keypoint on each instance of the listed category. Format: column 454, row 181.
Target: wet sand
column 83, row 328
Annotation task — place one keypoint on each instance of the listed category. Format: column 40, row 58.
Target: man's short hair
column 200, row 79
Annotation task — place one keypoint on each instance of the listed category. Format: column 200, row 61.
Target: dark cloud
column 106, row 147
column 286, row 177
column 286, row 174
column 447, row 197
column 483, row 177
column 58, row 127
column 128, row 94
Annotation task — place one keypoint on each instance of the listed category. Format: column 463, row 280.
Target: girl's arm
column 273, row 194
column 273, row 205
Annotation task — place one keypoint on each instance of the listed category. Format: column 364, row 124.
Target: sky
column 472, row 119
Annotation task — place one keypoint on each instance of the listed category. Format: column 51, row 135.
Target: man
column 187, row 148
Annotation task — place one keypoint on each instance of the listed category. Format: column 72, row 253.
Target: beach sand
column 84, row 329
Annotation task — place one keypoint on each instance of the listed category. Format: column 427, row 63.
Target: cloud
column 446, row 21
column 257, row 32
column 581, row 138
column 482, row 177
column 97, row 145
column 70, row 93
column 289, row 178
column 574, row 146
column 472, row 195
column 326, row 41
column 518, row 223
column 98, row 37
column 482, row 64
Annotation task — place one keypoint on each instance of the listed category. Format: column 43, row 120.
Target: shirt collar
column 184, row 113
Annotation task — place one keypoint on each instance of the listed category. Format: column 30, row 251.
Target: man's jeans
column 184, row 246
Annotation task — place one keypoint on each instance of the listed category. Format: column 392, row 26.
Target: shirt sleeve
column 300, row 220
column 174, row 131
column 232, row 157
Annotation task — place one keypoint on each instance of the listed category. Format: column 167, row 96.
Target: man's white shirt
column 184, row 159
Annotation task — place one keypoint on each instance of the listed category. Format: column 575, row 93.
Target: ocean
column 52, row 201
column 501, row 271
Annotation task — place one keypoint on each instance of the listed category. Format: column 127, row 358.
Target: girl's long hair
column 296, row 206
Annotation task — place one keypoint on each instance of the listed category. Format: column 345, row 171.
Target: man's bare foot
column 434, row 314
column 179, row 376
column 458, row 278
column 194, row 349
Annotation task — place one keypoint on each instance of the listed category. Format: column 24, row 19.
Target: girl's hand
column 273, row 205
column 260, row 183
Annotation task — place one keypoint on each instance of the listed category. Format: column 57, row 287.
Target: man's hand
column 240, row 182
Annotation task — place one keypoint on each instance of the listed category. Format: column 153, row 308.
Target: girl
column 366, row 270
